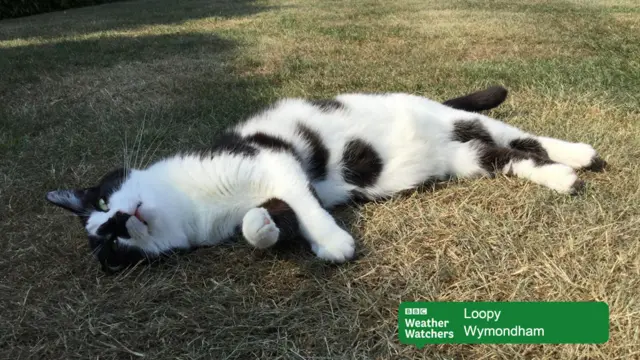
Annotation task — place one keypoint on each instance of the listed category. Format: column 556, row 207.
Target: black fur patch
column 115, row 226
column 467, row 130
column 263, row 140
column 231, row 142
column 111, row 182
column 495, row 158
column 597, row 164
column 328, row 105
column 319, row 158
column 285, row 219
column 362, row 164
column 358, row 196
column 578, row 187
column 529, row 145
column 114, row 256
column 480, row 100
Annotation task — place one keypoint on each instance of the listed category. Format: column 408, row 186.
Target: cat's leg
column 488, row 130
column 283, row 178
column 270, row 222
column 476, row 157
column 576, row 155
column 327, row 239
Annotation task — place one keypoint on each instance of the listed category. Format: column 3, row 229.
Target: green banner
column 422, row 323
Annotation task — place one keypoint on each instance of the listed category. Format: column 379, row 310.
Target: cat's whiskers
column 96, row 251
column 150, row 158
column 138, row 143
column 125, row 157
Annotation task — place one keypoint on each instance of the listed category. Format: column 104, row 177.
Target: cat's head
column 121, row 216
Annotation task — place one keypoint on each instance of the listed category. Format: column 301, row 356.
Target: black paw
column 578, row 187
column 597, row 164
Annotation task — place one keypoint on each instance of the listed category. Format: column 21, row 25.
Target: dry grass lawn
column 75, row 84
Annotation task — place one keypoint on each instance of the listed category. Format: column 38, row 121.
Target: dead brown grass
column 78, row 83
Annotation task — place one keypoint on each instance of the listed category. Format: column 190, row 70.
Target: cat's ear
column 71, row 199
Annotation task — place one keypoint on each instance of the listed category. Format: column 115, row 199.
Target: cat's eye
column 102, row 205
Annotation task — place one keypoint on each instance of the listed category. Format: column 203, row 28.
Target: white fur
column 576, row 155
column 259, row 229
column 558, row 177
column 190, row 200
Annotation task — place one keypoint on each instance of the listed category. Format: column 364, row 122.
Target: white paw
column 259, row 229
column 559, row 177
column 579, row 155
column 336, row 246
column 136, row 228
column 576, row 155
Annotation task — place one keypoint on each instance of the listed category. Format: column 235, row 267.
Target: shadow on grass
column 88, row 86
column 177, row 91
column 122, row 16
column 29, row 62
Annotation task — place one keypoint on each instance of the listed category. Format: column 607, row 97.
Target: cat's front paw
column 259, row 229
column 337, row 246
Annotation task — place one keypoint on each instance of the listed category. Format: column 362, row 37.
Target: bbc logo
column 415, row 311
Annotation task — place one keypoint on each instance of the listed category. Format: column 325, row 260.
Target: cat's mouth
column 138, row 215
column 138, row 226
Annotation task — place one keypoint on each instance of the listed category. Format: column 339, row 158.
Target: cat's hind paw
column 338, row 246
column 259, row 229
column 559, row 177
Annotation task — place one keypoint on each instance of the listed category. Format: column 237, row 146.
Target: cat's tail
column 479, row 100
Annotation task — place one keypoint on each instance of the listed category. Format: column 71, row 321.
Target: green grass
column 76, row 86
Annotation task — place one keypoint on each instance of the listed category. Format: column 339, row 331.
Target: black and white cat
column 276, row 174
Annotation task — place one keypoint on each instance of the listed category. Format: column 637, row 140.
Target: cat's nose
column 122, row 216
